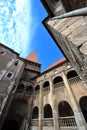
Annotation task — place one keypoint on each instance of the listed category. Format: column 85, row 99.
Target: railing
column 34, row 122
column 67, row 121
column 74, row 80
column 57, row 85
column 48, row 122
column 46, row 89
column 37, row 92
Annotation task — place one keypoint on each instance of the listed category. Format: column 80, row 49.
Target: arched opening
column 48, row 111
column 20, row 88
column 83, row 105
column 10, row 125
column 57, row 80
column 65, row 109
column 46, row 84
column 37, row 88
column 35, row 113
column 72, row 74
column 29, row 89
column 16, row 115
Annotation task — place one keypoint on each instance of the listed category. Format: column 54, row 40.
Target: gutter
column 77, row 12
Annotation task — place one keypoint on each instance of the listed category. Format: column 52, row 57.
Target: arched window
column 72, row 74
column 57, row 80
column 20, row 88
column 35, row 113
column 29, row 89
column 48, row 111
column 83, row 105
column 65, row 109
column 46, row 84
column 37, row 88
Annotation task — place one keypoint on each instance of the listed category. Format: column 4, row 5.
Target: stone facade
column 57, row 98
column 53, row 100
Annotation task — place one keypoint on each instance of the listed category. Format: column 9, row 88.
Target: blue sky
column 21, row 29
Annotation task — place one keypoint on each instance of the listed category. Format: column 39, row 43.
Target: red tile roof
column 57, row 63
column 32, row 57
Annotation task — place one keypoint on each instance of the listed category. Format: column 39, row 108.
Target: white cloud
column 17, row 25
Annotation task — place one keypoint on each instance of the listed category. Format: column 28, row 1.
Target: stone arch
column 20, row 88
column 16, row 114
column 35, row 113
column 37, row 88
column 83, row 106
column 29, row 89
column 57, row 79
column 72, row 74
column 64, row 109
column 48, row 111
column 46, row 84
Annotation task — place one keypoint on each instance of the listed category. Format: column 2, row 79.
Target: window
column 16, row 63
column 35, row 113
column 2, row 52
column 48, row 111
column 9, row 75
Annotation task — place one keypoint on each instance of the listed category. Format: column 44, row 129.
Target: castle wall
column 70, row 36
column 70, row 91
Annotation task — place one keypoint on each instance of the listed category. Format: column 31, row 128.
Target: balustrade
column 67, row 121
column 60, row 84
column 34, row 122
column 74, row 80
column 46, row 89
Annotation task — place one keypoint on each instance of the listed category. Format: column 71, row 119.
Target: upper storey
column 58, row 7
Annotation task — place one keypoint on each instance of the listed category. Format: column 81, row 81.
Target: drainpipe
column 77, row 12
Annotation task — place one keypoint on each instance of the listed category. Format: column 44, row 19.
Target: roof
column 32, row 57
column 57, row 63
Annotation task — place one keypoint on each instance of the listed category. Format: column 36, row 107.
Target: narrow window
column 9, row 75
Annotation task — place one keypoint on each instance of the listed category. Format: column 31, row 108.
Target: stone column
column 41, row 107
column 78, row 116
column 55, row 113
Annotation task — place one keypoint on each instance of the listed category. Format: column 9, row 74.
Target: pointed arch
column 64, row 109
column 48, row 111
column 57, row 79
column 20, row 88
column 72, row 74
column 35, row 113
column 83, row 106
column 29, row 89
column 37, row 88
column 46, row 84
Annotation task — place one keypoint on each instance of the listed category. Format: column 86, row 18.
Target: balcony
column 74, row 80
column 34, row 122
column 37, row 92
column 57, row 85
column 67, row 122
column 46, row 122
column 46, row 89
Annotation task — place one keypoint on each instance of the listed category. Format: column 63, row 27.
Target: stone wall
column 70, row 35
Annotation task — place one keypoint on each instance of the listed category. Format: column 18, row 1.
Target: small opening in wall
column 9, row 75
column 2, row 52
column 16, row 63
